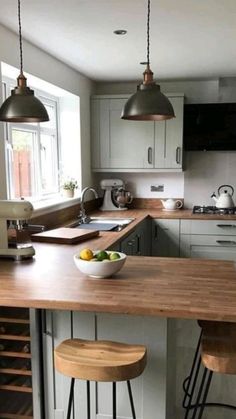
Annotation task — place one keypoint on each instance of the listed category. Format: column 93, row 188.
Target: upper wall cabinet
column 138, row 146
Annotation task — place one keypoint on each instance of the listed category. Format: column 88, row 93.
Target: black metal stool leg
column 203, row 404
column 190, row 381
column 88, row 400
column 131, row 399
column 114, row 400
column 200, row 391
column 70, row 398
column 190, row 395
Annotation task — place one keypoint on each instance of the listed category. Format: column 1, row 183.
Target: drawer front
column 215, row 227
column 214, row 240
column 208, row 247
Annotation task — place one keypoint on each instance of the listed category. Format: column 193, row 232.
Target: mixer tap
column 83, row 218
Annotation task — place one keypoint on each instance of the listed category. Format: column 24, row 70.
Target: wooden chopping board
column 64, row 235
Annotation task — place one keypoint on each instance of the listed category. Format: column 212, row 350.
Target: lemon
column 86, row 254
column 114, row 256
column 102, row 255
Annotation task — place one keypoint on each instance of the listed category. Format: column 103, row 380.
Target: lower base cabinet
column 208, row 239
column 165, row 237
column 138, row 242
column 150, row 394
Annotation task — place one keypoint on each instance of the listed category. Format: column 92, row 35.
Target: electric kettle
column 224, row 199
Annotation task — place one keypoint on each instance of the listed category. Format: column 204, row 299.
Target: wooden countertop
column 160, row 213
column 168, row 287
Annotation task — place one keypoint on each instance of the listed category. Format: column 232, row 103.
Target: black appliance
column 208, row 209
column 210, row 126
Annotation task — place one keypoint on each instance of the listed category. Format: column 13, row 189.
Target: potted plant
column 69, row 186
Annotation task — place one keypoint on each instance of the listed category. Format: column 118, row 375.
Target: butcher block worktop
column 167, row 287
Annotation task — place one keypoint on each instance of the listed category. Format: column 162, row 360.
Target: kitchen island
column 134, row 307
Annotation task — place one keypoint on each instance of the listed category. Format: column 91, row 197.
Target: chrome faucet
column 83, row 218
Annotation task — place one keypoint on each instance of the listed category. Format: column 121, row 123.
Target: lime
column 86, row 254
column 102, row 255
column 114, row 256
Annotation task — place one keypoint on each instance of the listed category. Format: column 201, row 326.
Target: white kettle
column 171, row 204
column 224, row 199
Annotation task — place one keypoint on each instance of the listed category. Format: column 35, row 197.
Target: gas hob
column 207, row 209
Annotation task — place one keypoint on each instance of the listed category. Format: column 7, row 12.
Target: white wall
column 204, row 171
column 46, row 67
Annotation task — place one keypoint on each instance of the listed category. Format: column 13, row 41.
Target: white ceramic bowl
column 103, row 269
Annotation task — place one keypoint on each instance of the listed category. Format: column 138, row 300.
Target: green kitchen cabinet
column 119, row 145
column 165, row 237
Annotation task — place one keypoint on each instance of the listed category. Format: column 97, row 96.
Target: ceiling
column 189, row 38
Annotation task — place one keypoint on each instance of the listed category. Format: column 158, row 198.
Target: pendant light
column 148, row 103
column 22, row 105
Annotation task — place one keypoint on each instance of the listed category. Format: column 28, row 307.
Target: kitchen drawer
column 208, row 227
column 208, row 246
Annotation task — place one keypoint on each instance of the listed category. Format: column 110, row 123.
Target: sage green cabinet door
column 169, row 138
column 138, row 242
column 165, row 238
column 131, row 142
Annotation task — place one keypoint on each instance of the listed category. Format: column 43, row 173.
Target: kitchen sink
column 104, row 223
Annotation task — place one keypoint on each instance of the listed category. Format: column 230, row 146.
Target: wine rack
column 15, row 364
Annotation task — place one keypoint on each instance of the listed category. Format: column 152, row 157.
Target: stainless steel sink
column 105, row 223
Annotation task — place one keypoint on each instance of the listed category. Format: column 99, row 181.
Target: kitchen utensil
column 64, row 235
column 171, row 205
column 102, row 269
column 224, row 200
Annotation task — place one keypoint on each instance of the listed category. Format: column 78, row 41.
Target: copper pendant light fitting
column 22, row 105
column 148, row 103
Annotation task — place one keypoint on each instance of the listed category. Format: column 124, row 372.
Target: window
column 33, row 152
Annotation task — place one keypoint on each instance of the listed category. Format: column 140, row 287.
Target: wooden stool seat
column 100, row 360
column 218, row 347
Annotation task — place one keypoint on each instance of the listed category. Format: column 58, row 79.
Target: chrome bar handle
column 149, row 155
column 226, row 225
column 230, row 242
column 178, row 155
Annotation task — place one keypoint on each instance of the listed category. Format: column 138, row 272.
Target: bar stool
column 102, row 360
column 218, row 354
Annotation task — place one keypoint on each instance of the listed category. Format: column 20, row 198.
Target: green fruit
column 102, row 255
column 114, row 256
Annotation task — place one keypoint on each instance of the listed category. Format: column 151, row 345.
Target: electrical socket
column 157, row 188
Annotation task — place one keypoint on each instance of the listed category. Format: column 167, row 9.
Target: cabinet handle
column 138, row 243
column 226, row 225
column 178, row 155
column 149, row 155
column 231, row 242
column 156, row 232
column 130, row 243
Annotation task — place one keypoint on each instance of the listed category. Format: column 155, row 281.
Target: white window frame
column 47, row 99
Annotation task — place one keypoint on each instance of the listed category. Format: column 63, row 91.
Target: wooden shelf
column 15, row 371
column 15, row 354
column 19, row 388
column 13, row 320
column 15, row 337
column 14, row 416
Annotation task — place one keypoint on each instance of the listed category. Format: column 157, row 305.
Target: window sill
column 49, row 205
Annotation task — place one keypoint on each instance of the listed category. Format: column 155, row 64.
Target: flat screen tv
column 210, row 126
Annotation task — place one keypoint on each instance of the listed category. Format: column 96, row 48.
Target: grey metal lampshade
column 148, row 104
column 22, row 105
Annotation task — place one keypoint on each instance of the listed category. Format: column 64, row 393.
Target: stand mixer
column 14, row 238
column 115, row 196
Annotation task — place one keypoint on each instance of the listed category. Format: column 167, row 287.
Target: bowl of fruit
column 99, row 263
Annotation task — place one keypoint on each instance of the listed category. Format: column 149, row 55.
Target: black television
column 210, row 126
